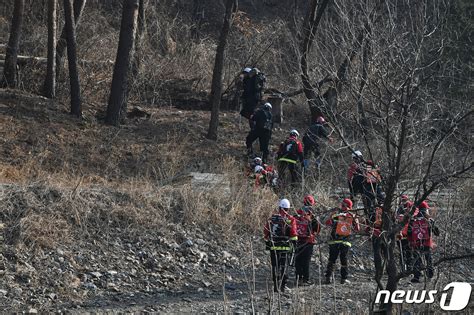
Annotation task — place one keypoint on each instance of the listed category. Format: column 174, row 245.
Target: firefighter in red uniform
column 308, row 228
column 280, row 235
column 342, row 222
column 289, row 155
column 420, row 236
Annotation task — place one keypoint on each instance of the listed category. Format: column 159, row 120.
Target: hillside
column 81, row 235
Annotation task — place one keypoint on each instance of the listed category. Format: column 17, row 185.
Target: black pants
column 303, row 255
column 424, row 251
column 280, row 265
column 282, row 166
column 335, row 250
column 405, row 254
column 263, row 137
column 380, row 252
column 309, row 147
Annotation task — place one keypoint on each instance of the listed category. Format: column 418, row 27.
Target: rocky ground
column 91, row 223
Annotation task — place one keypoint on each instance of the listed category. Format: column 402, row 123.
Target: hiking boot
column 415, row 280
column 285, row 289
column 306, row 283
column 345, row 281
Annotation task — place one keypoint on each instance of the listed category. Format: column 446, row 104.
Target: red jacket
column 354, row 168
column 294, row 155
column 307, row 227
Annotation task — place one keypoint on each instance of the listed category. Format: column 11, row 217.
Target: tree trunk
column 49, row 87
column 10, row 75
column 216, row 87
column 72, row 59
column 309, row 30
column 118, row 94
column 62, row 44
column 140, row 33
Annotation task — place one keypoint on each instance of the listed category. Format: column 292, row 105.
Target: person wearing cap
column 262, row 130
column 355, row 176
column 280, row 234
column 420, row 236
column 252, row 92
column 289, row 154
column 307, row 227
column 342, row 224
column 310, row 140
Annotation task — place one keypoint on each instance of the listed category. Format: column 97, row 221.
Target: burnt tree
column 117, row 106
column 49, row 87
column 216, row 86
column 76, row 109
column 61, row 45
column 10, row 75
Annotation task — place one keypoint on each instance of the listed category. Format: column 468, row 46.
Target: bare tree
column 216, row 86
column 62, row 43
column 10, row 75
column 117, row 106
column 49, row 87
column 72, row 59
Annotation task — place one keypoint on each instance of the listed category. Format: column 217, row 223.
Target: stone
column 3, row 292
column 200, row 241
column 32, row 311
column 96, row 274
column 111, row 272
column 226, row 255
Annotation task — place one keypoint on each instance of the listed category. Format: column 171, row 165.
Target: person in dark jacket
column 252, row 84
column 310, row 140
column 307, row 227
column 262, row 130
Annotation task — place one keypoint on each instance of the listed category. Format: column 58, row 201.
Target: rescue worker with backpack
column 310, row 140
column 262, row 174
column 342, row 224
column 253, row 84
column 262, row 131
column 280, row 235
column 420, row 237
column 371, row 185
column 289, row 154
column 307, row 227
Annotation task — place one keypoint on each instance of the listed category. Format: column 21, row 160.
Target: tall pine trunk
column 62, row 43
column 49, row 87
column 72, row 59
column 216, row 87
column 117, row 106
column 10, row 75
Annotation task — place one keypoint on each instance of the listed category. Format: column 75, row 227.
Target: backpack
column 290, row 148
column 419, row 233
column 378, row 217
column 303, row 227
column 260, row 81
column 278, row 228
column 371, row 175
column 344, row 224
column 268, row 124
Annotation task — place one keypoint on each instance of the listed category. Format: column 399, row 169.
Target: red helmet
column 309, row 200
column 320, row 120
column 347, row 203
column 424, row 205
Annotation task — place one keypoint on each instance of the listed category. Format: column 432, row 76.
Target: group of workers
column 290, row 238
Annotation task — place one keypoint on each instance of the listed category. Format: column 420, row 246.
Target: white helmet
column 268, row 105
column 257, row 160
column 284, row 203
column 258, row 169
column 294, row 132
column 357, row 154
column 247, row 70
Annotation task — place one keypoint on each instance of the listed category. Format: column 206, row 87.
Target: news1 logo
column 459, row 297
